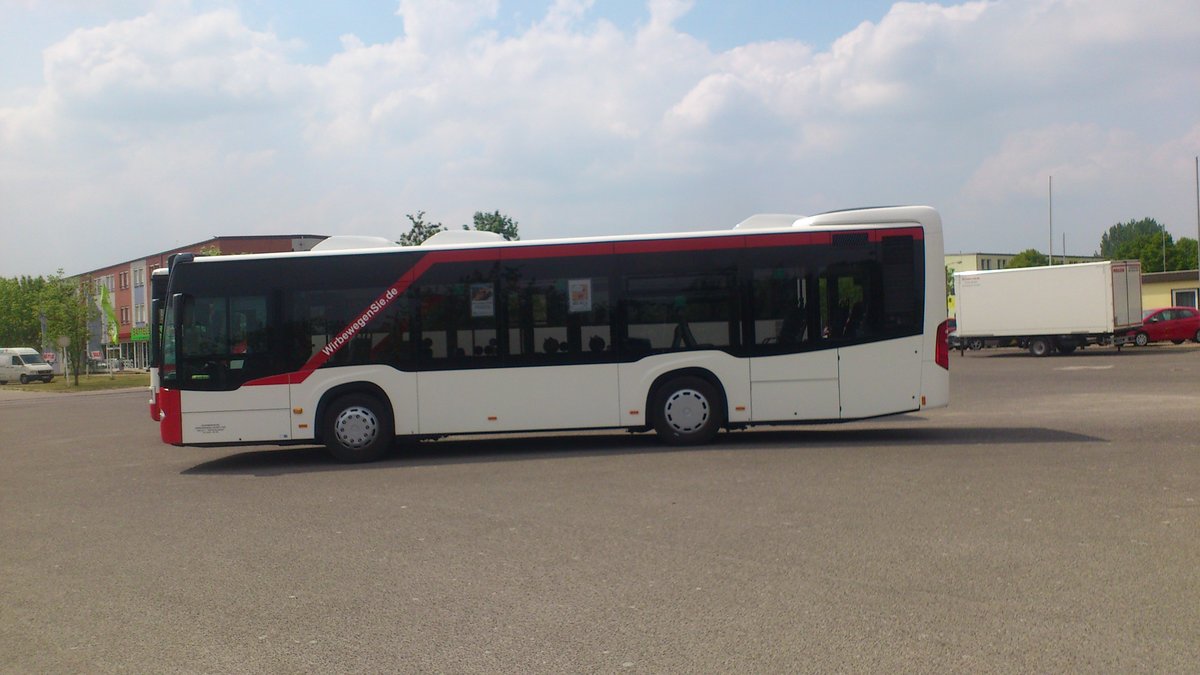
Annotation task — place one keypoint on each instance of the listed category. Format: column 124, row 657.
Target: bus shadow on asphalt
column 465, row 449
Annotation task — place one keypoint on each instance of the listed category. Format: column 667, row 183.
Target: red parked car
column 1169, row 323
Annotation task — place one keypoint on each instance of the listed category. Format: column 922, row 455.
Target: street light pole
column 1164, row 245
column 1050, row 206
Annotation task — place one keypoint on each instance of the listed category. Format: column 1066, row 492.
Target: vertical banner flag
column 108, row 315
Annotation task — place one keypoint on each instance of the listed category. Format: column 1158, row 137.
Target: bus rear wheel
column 687, row 411
column 357, row 428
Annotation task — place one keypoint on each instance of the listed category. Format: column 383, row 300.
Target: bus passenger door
column 222, row 356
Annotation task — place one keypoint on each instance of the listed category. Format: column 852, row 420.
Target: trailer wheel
column 1039, row 346
column 1141, row 339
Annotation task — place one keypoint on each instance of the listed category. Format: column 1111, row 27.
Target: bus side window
column 557, row 310
column 670, row 312
column 781, row 305
column 459, row 315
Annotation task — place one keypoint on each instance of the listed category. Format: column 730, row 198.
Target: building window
column 1185, row 297
column 139, row 277
column 139, row 314
column 125, row 315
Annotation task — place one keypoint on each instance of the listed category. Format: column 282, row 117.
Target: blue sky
column 722, row 25
column 131, row 126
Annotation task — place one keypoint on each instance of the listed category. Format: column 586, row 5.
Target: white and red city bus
column 782, row 319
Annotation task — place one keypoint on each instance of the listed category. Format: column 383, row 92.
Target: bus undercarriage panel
column 795, row 387
column 518, row 399
column 235, row 426
column 248, row 414
column 880, row 378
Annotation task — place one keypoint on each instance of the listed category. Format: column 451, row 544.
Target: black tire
column 48, row 380
column 357, row 428
column 687, row 411
column 1039, row 346
column 1196, row 337
column 1141, row 339
column 24, row 378
column 975, row 344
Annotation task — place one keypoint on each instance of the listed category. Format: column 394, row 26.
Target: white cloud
column 168, row 68
column 180, row 124
column 438, row 25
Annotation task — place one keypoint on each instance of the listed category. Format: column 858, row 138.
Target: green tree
column 496, row 222
column 420, row 231
column 1146, row 240
column 1182, row 256
column 20, row 312
column 1030, row 257
column 67, row 304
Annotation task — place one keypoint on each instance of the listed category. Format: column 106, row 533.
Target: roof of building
column 1164, row 277
column 201, row 244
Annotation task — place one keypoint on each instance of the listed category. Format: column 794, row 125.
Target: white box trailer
column 1047, row 309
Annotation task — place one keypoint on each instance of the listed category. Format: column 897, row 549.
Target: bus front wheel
column 687, row 410
column 358, row 428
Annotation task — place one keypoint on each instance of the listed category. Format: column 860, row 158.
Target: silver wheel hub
column 686, row 411
column 356, row 427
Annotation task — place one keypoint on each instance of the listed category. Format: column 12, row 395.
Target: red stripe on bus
column 914, row 232
column 676, row 245
column 555, row 251
column 790, row 239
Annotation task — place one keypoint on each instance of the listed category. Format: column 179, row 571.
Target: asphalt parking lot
column 1049, row 520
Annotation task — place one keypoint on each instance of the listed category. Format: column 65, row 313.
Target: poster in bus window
column 580, row 293
column 482, row 300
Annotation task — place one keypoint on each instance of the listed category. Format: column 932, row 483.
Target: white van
column 24, row 365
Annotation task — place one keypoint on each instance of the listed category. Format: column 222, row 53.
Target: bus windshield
column 166, row 349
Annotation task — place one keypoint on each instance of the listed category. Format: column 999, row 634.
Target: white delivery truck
column 1047, row 309
column 24, row 365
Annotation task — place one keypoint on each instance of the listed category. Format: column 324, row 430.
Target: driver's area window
column 223, row 341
